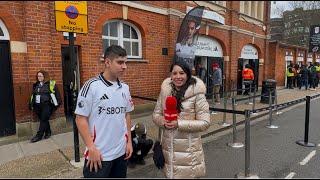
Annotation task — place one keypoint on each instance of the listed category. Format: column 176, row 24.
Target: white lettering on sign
column 208, row 47
column 249, row 52
column 300, row 59
column 288, row 58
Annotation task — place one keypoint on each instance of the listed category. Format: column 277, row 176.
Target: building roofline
column 288, row 45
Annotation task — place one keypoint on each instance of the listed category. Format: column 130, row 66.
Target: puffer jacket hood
column 182, row 147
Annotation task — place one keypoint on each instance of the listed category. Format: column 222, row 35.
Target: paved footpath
column 52, row 158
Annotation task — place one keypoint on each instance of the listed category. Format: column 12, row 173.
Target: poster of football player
column 188, row 35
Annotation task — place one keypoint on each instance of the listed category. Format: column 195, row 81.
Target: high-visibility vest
column 318, row 68
column 247, row 74
column 51, row 88
column 289, row 74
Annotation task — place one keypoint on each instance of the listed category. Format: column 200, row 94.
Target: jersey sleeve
column 84, row 101
column 129, row 102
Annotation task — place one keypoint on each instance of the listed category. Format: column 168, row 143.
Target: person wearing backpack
column 44, row 100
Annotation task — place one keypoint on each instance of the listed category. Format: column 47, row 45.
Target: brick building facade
column 33, row 43
column 282, row 54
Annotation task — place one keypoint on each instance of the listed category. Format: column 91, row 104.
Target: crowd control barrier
column 246, row 113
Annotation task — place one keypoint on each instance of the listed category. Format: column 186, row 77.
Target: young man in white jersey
column 103, row 119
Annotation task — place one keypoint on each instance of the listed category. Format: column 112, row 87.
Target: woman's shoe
column 47, row 135
column 36, row 138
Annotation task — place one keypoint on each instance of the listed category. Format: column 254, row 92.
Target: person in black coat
column 42, row 103
column 304, row 73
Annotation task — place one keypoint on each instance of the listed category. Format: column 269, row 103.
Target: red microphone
column 171, row 112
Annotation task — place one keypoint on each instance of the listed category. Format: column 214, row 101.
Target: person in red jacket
column 248, row 77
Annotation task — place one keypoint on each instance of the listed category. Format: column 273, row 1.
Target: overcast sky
column 278, row 4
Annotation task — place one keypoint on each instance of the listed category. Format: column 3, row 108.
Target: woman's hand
column 171, row 124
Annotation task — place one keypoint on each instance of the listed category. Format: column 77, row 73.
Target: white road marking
column 310, row 155
column 290, row 176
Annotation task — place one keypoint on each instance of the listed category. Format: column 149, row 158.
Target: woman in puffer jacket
column 181, row 139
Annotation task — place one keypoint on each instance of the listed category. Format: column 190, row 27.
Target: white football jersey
column 106, row 104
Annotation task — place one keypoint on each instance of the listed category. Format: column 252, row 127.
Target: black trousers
column 247, row 84
column 44, row 111
column 144, row 146
column 116, row 168
column 289, row 82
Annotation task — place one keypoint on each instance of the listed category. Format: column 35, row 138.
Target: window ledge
column 132, row 60
column 255, row 21
column 138, row 60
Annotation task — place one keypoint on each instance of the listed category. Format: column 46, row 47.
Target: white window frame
column 220, row 3
column 254, row 9
column 5, row 31
column 120, row 37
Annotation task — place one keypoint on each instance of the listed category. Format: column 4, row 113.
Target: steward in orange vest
column 247, row 73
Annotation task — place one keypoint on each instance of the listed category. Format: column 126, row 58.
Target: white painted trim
column 141, row 6
column 5, row 31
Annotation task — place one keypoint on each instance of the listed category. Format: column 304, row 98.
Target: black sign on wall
column 314, row 41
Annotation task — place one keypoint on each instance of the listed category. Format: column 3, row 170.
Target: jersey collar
column 108, row 83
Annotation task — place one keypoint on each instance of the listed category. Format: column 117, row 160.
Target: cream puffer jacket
column 182, row 147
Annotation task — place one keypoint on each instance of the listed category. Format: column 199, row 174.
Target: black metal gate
column 7, row 114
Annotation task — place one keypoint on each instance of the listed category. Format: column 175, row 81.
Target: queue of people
column 303, row 76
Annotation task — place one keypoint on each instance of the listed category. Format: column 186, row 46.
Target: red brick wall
column 28, row 21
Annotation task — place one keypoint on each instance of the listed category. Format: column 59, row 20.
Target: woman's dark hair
column 179, row 94
column 45, row 75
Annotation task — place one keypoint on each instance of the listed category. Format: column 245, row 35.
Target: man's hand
column 94, row 159
column 129, row 150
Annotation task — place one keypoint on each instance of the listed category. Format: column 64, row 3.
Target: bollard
column 306, row 127
column 254, row 100
column 271, row 126
column 249, row 102
column 213, row 104
column 247, row 173
column 247, row 142
column 276, row 101
column 224, row 123
column 234, row 143
column 75, row 128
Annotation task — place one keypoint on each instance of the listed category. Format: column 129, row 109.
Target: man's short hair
column 114, row 51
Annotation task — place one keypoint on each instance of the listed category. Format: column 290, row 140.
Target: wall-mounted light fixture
column 164, row 51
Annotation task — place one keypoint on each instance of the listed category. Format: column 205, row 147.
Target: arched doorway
column 7, row 114
column 209, row 51
column 249, row 55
